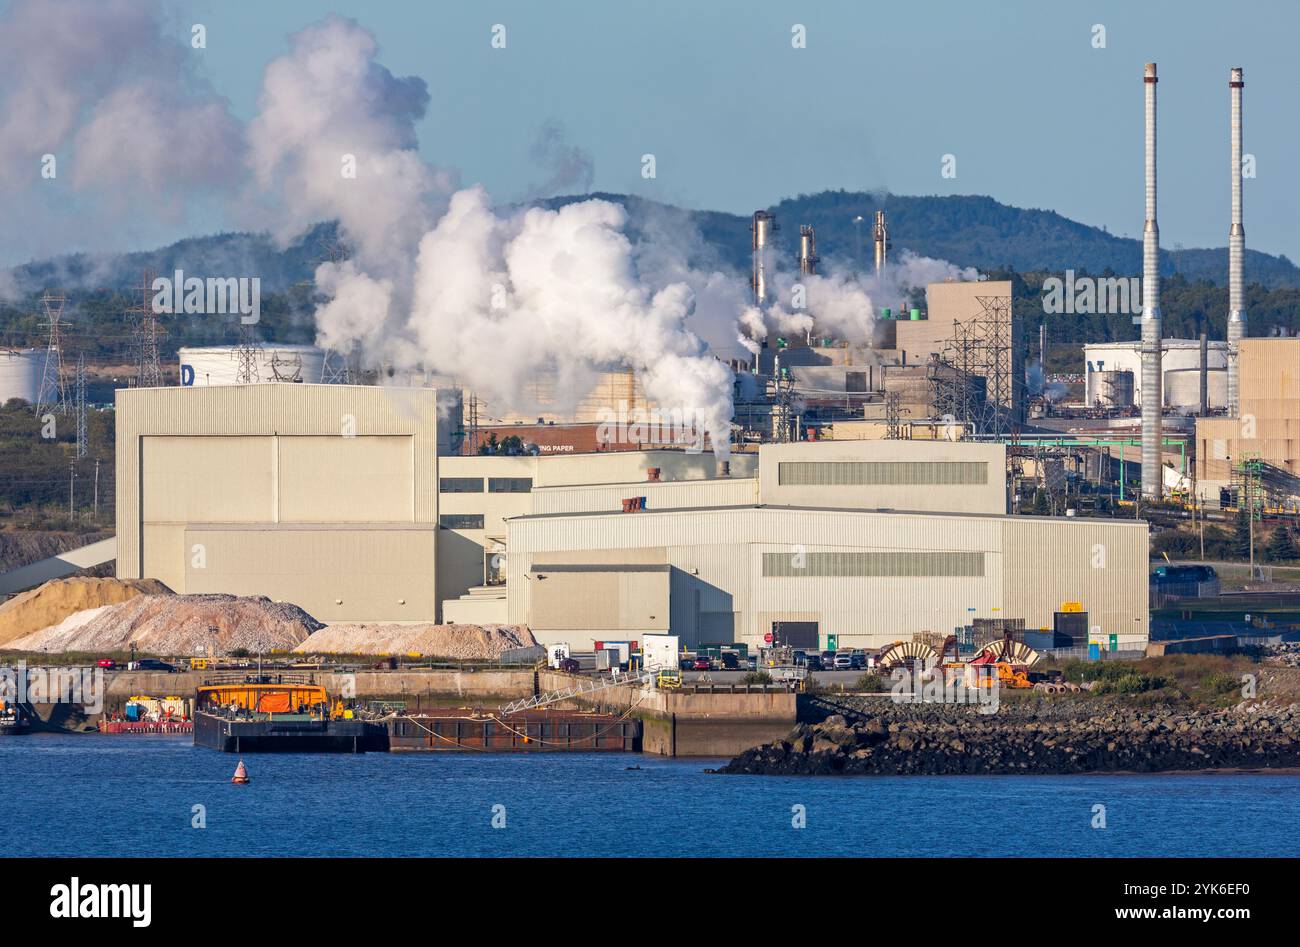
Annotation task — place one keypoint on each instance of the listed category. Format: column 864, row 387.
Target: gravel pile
column 178, row 625
column 457, row 642
column 57, row 599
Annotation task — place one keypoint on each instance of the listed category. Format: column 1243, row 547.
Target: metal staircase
column 582, row 688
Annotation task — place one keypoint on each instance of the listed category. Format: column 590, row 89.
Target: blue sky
column 738, row 119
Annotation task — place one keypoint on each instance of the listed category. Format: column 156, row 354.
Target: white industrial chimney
column 761, row 234
column 1236, row 247
column 1152, row 396
column 880, row 237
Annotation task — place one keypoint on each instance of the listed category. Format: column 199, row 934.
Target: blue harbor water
column 131, row 796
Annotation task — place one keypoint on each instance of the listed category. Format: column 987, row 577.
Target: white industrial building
column 857, row 541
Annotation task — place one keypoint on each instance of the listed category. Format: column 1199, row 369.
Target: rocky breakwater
column 1083, row 736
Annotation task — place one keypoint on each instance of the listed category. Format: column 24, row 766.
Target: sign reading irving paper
column 641, row 428
column 211, row 296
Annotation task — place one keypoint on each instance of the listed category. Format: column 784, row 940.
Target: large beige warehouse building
column 831, row 553
column 321, row 495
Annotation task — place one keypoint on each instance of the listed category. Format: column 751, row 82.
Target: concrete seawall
column 675, row 722
column 686, row 723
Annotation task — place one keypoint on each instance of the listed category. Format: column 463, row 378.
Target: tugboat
column 13, row 721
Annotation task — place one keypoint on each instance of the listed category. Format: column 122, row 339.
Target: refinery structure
column 872, row 485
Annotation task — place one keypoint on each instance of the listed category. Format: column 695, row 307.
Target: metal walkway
column 581, row 689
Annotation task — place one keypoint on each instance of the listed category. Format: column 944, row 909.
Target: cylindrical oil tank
column 1110, row 389
column 220, row 365
column 20, row 374
column 1183, row 388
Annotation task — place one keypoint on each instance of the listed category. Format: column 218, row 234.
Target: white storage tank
column 219, row 364
column 1183, row 388
column 1110, row 389
column 20, row 374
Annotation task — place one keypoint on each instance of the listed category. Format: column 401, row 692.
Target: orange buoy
column 241, row 774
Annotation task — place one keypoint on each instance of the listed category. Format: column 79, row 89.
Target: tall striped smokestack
column 1236, row 246
column 1152, row 396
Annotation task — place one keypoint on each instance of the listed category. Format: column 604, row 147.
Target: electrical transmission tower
column 335, row 368
column 145, row 333
column 286, row 369
column 53, row 392
column 975, row 377
column 246, row 355
column 82, row 446
column 893, row 416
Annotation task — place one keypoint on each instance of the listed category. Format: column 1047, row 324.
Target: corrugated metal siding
column 362, row 479
column 253, row 410
column 872, row 564
column 881, row 473
column 720, row 555
column 208, row 479
column 336, row 572
column 1101, row 565
column 676, row 494
column 924, row 476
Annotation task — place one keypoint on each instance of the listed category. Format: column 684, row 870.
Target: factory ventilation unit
column 1152, row 396
column 1236, row 246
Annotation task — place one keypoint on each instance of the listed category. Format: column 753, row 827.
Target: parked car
column 800, row 658
column 859, row 660
column 702, row 664
column 153, row 664
column 730, row 660
column 813, row 662
column 844, row 661
column 828, row 659
column 570, row 666
column 106, row 663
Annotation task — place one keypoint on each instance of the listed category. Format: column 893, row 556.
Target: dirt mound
column 178, row 624
column 54, row 601
column 460, row 642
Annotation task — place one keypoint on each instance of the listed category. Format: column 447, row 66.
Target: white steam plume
column 447, row 285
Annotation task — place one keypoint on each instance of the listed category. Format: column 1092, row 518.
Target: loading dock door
column 796, row 634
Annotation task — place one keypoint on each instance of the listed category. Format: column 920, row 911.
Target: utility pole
column 1250, row 516
column 72, row 477
column 97, row 507
column 1200, row 506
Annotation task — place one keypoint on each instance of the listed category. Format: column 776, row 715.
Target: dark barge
column 280, row 714
column 535, row 732
column 287, row 733
column 292, row 714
